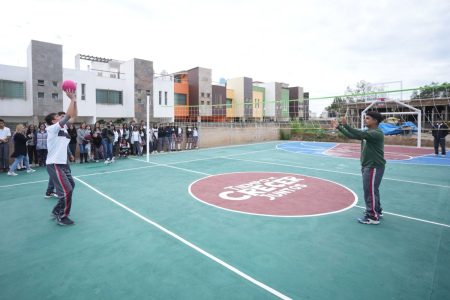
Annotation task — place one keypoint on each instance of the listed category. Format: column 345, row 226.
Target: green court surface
column 140, row 234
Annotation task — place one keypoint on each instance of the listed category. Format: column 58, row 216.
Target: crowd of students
column 100, row 142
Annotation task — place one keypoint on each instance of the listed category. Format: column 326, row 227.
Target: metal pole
column 148, row 127
column 419, row 130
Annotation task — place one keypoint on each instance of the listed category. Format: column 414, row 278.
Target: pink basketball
column 69, row 85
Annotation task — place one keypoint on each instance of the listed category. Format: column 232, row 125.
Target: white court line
column 189, row 244
column 398, row 215
column 169, row 166
column 411, row 218
column 146, row 167
column 396, row 161
column 339, row 172
column 115, row 171
column 22, row 183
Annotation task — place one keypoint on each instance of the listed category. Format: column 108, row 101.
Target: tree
column 433, row 90
column 337, row 107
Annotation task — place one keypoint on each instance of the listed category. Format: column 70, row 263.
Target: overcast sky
column 321, row 45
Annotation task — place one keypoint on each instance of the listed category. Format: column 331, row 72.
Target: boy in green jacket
column 372, row 162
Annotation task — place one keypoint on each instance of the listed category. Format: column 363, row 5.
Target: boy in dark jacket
column 439, row 132
column 372, row 162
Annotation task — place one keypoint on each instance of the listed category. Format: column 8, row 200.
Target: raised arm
column 72, row 111
column 339, row 127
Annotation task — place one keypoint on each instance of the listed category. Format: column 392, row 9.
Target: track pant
column 61, row 177
column 371, row 183
column 438, row 142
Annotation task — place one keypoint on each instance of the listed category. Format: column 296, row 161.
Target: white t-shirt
column 135, row 136
column 5, row 133
column 195, row 133
column 57, row 141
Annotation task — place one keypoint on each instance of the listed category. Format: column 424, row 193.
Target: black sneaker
column 49, row 195
column 380, row 214
column 54, row 216
column 368, row 221
column 64, row 221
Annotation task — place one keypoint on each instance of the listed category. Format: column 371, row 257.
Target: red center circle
column 273, row 194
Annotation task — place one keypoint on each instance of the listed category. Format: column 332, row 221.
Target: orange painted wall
column 182, row 88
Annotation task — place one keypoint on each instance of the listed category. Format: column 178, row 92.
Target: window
column 229, row 103
column 83, row 91
column 165, row 98
column 109, row 97
column 12, row 89
column 180, row 99
column 207, row 102
column 55, row 83
column 55, row 96
column 139, row 91
column 203, row 94
column 40, row 95
column 147, row 92
column 40, row 82
column 202, row 103
column 208, row 95
column 140, row 101
column 160, row 97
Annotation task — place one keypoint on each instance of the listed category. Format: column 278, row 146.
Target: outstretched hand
column 71, row 95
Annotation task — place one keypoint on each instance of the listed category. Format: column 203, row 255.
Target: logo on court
column 273, row 194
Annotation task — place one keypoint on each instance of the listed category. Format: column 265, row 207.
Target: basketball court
column 261, row 221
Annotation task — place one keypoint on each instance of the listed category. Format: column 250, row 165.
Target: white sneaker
column 12, row 174
column 29, row 171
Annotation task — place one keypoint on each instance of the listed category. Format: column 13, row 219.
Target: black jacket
column 440, row 132
column 20, row 145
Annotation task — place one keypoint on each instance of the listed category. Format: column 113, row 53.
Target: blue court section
column 319, row 148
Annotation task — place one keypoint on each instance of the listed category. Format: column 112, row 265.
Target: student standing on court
column 81, row 133
column 5, row 136
column 372, row 162
column 20, row 150
column 439, row 132
column 41, row 145
column 31, row 145
column 57, row 166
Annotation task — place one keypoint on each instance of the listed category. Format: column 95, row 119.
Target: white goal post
column 414, row 111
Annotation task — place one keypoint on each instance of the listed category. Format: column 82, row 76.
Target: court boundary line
column 394, row 214
column 137, row 168
column 395, row 161
column 229, row 157
column 410, row 218
column 22, row 183
column 189, row 244
column 355, row 201
column 333, row 171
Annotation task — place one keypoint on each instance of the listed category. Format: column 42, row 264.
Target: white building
column 163, row 98
column 107, row 89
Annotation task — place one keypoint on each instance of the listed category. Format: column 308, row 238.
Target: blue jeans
column 82, row 148
column 107, row 148
column 18, row 160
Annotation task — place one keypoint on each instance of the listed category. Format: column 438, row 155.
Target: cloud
column 321, row 45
